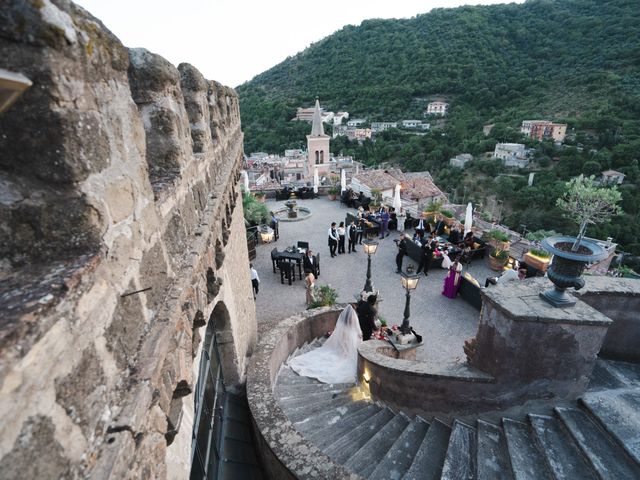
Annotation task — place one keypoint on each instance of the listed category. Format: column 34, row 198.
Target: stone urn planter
column 498, row 259
column 566, row 269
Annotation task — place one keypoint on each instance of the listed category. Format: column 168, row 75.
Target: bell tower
column 318, row 145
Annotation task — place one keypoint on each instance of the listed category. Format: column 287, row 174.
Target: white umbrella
column 315, row 180
column 245, row 176
column 468, row 219
column 343, row 180
column 397, row 203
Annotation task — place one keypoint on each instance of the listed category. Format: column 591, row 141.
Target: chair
column 304, row 245
column 287, row 270
column 274, row 258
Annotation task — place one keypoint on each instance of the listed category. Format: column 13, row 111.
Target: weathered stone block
column 127, row 325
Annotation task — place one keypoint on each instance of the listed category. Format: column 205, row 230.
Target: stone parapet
column 618, row 299
column 123, row 243
column 284, row 452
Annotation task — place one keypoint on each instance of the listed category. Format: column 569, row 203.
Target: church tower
column 318, row 145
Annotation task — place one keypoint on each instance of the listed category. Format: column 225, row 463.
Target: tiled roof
column 378, row 179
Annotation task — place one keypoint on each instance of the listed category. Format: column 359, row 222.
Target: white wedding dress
column 337, row 360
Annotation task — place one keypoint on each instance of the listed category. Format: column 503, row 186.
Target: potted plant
column 498, row 258
column 537, row 258
column 333, row 192
column 432, row 209
column 498, row 239
column 585, row 203
column 325, row 296
column 447, row 217
column 376, row 199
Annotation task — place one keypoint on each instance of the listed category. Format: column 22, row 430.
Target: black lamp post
column 409, row 282
column 370, row 248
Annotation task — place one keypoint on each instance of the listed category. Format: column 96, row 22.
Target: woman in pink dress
column 452, row 281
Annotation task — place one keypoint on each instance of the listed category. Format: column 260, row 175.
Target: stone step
column 428, row 461
column 618, row 411
column 301, row 412
column 564, row 458
column 329, row 417
column 605, row 456
column 492, row 455
column 604, row 377
column 294, row 402
column 527, row 461
column 327, row 436
column 286, row 392
column 350, row 442
column 400, row 456
column 286, row 376
column 460, row 461
column 629, row 373
column 364, row 461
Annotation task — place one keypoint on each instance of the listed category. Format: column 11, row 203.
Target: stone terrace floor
column 444, row 323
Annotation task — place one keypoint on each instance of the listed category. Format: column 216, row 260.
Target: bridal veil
column 337, row 360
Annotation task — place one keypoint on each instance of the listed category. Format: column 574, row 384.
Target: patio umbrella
column 315, row 180
column 397, row 203
column 468, row 219
column 245, row 177
column 343, row 180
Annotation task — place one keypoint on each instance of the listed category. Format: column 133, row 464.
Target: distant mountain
column 577, row 60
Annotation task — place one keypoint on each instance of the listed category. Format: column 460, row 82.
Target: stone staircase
column 596, row 437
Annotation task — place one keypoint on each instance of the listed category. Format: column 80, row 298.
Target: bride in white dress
column 337, row 360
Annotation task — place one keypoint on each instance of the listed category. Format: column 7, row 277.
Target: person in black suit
column 332, row 235
column 367, row 314
column 428, row 247
column 352, row 235
column 421, row 226
column 402, row 251
column 439, row 228
column 309, row 263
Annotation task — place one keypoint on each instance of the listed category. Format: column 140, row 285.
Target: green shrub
column 433, row 206
column 538, row 252
column 498, row 235
column 446, row 213
column 334, row 190
column 500, row 254
column 325, row 296
column 255, row 212
column 539, row 235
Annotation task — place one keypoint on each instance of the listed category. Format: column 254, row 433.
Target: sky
column 231, row 41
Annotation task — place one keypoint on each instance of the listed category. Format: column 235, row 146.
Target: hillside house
column 356, row 122
column 378, row 127
column 544, row 129
column 611, row 177
column 460, row 160
column 437, row 108
column 512, row 154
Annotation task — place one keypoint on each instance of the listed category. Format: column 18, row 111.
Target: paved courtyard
column 444, row 323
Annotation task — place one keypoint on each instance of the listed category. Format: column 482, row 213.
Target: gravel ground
column 444, row 323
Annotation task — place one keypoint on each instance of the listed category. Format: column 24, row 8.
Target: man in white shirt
column 333, row 239
column 420, row 227
column 510, row 275
column 255, row 280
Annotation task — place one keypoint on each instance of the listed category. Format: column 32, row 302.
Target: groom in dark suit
column 310, row 264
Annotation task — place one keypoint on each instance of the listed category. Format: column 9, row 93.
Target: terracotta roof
column 378, row 179
column 419, row 188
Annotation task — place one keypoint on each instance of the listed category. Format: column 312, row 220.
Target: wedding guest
column 310, row 281
column 428, row 246
column 384, row 225
column 402, row 251
column 360, row 230
column 255, row 280
column 401, row 219
column 421, row 225
column 309, row 263
column 452, row 281
column 341, row 237
column 332, row 239
column 352, row 235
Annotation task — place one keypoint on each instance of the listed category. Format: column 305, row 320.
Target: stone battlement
column 121, row 240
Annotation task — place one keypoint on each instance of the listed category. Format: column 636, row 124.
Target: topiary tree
column 585, row 203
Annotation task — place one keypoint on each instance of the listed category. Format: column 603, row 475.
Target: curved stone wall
column 285, row 453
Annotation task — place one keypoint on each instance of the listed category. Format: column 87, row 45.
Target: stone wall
column 119, row 175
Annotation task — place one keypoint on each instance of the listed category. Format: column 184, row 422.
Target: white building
column 377, row 127
column 512, row 154
column 337, row 118
column 437, row 108
column 356, row 122
column 416, row 124
column 460, row 160
column 611, row 177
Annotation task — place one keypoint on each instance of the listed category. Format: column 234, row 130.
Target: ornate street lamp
column 370, row 247
column 409, row 282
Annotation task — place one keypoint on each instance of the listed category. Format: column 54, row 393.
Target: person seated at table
column 309, row 263
column 422, row 225
column 454, row 236
column 468, row 241
column 439, row 227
